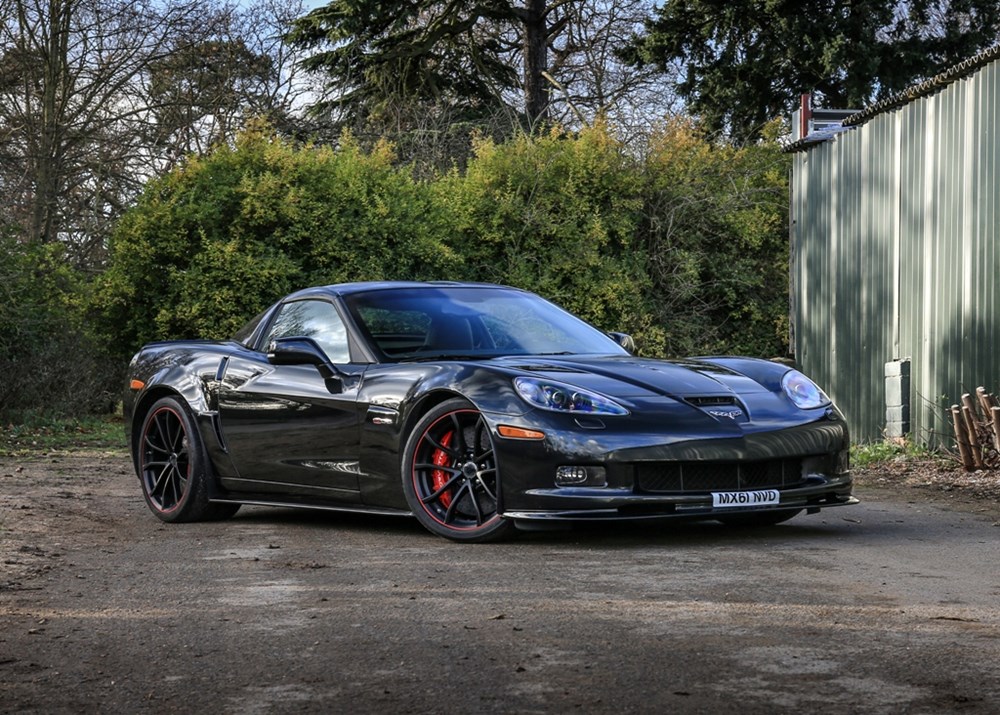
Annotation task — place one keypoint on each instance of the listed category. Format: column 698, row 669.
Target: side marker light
column 519, row 433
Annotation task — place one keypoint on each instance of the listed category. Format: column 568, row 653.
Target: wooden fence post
column 958, row 422
column 972, row 432
column 984, row 400
column 995, row 414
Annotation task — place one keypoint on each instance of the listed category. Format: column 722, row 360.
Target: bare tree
column 98, row 96
column 588, row 78
column 67, row 95
column 285, row 97
column 204, row 92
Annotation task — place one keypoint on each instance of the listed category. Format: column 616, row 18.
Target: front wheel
column 173, row 468
column 450, row 474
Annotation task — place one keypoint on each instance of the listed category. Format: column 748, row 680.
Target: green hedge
column 559, row 215
column 51, row 360
column 716, row 234
column 214, row 242
column 683, row 244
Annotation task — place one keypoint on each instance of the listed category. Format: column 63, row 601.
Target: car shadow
column 329, row 519
column 604, row 534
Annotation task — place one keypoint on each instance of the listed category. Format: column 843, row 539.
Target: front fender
column 398, row 396
column 186, row 370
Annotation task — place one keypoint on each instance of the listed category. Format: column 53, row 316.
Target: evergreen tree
column 453, row 53
column 746, row 61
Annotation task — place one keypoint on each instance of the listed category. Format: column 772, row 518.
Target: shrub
column 684, row 246
column 50, row 362
column 716, row 220
column 559, row 214
column 214, row 242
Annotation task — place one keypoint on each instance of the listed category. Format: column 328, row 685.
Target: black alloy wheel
column 172, row 467
column 450, row 474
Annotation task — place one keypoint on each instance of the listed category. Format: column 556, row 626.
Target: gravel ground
column 936, row 478
column 885, row 607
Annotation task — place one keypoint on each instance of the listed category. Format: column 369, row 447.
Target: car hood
column 633, row 377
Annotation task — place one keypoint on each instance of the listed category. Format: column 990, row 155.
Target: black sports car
column 474, row 408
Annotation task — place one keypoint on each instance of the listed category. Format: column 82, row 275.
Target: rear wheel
column 450, row 474
column 173, row 468
column 763, row 518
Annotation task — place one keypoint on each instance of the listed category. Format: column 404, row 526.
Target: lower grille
column 717, row 476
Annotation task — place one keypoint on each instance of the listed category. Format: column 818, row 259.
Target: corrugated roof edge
column 824, row 135
column 952, row 74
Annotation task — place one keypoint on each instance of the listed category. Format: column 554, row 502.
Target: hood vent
column 549, row 368
column 711, row 400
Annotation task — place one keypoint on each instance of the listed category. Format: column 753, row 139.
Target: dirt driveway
column 892, row 606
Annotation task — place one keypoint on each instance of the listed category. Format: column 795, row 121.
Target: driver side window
column 314, row 319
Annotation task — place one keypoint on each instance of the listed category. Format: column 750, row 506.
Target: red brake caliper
column 439, row 477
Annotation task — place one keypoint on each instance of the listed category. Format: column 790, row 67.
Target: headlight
column 803, row 391
column 557, row 397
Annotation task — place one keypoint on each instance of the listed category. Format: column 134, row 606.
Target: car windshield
column 471, row 322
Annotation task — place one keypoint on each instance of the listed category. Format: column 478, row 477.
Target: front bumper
column 625, row 504
column 653, row 476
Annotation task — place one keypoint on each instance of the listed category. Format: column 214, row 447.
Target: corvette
column 476, row 409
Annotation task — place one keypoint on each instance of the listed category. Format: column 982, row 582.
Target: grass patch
column 876, row 453
column 38, row 434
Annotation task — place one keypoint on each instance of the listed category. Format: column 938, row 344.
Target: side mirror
column 625, row 340
column 305, row 351
column 295, row 351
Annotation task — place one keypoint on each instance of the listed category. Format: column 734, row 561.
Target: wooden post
column 995, row 414
column 972, row 433
column 984, row 401
column 964, row 452
column 967, row 401
column 989, row 403
column 971, row 414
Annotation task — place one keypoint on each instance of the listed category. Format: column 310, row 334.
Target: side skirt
column 288, row 501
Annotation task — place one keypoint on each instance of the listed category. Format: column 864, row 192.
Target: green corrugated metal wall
column 894, row 244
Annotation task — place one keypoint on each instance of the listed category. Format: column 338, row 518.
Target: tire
column 173, row 469
column 763, row 518
column 450, row 475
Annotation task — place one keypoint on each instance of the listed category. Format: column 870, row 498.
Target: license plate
column 726, row 500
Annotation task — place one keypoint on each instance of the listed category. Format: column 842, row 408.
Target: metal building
column 895, row 245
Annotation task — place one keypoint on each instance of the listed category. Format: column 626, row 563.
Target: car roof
column 344, row 289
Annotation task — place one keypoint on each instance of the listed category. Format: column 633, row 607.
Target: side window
column 314, row 319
